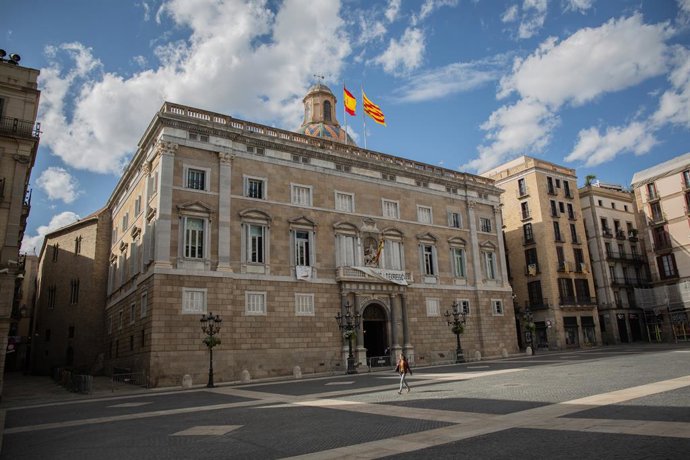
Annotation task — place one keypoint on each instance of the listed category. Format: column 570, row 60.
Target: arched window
column 326, row 111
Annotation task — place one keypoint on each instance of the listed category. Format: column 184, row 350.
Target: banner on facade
column 394, row 276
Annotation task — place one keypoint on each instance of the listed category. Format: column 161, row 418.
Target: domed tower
column 319, row 115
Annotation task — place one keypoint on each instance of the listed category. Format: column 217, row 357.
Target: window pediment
column 195, row 207
column 456, row 241
column 345, row 227
column 487, row 246
column 253, row 214
column 302, row 221
column 392, row 232
column 426, row 236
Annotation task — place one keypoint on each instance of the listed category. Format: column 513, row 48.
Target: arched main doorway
column 375, row 331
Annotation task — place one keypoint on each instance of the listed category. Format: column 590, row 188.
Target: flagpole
column 364, row 121
column 344, row 113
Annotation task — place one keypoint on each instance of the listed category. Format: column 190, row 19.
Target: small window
column 125, row 221
column 74, row 291
column 56, row 250
column 429, row 259
column 390, row 209
column 485, row 224
column 144, row 304
column 304, row 304
column 454, row 220
column 255, row 303
column 497, row 307
column 600, row 203
column 464, row 306
column 458, row 262
column 433, row 307
column 424, row 215
column 193, row 301
column 137, row 206
column 77, row 245
column 70, row 332
column 490, row 263
column 120, row 319
column 196, row 179
column 255, row 188
column 300, row 159
column 132, row 313
column 344, row 202
column 110, row 324
column 301, row 195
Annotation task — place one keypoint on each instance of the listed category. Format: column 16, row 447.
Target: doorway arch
column 374, row 326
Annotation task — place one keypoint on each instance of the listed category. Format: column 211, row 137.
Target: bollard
column 245, row 377
column 297, row 372
column 187, row 381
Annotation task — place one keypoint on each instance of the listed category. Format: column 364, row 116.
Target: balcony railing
column 624, row 256
column 537, row 304
column 631, row 282
column 526, row 241
column 582, row 300
column 20, row 128
column 607, row 233
column 620, row 234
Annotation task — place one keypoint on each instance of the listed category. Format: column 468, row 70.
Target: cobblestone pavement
column 628, row 402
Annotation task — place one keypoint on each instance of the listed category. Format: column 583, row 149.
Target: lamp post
column 529, row 330
column 210, row 324
column 458, row 327
column 348, row 323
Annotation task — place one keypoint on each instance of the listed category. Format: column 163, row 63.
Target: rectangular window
column 196, row 179
column 549, row 184
column 454, row 220
column 137, row 206
column 302, row 248
column 571, row 213
column 667, row 266
column 428, row 254
column 110, row 324
column 657, row 214
column 573, row 233
column 686, row 178
column 132, row 313
column 565, row 290
column 74, row 291
column 393, row 255
column 304, row 304
column 255, row 303
column 390, row 209
column 557, row 231
column 52, row 291
column 485, row 224
column 77, row 245
column 56, row 250
column 534, row 293
column 524, row 207
column 193, row 301
column 120, row 319
column 561, row 207
column 344, row 202
column 424, row 215
column 579, row 257
column 651, row 191
column 193, row 238
column 458, row 262
column 582, row 291
column 144, row 304
column 561, row 258
column 254, row 188
column 490, row 263
column 527, row 233
column 433, row 307
column 531, row 261
column 255, row 243
column 346, row 250
column 522, row 187
column 554, row 210
column 464, row 306
column 496, row 307
column 301, row 195
column 566, row 189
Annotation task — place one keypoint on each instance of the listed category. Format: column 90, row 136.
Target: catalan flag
column 349, row 101
column 379, row 250
column 373, row 110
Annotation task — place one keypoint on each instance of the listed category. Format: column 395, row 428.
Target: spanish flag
column 373, row 110
column 349, row 101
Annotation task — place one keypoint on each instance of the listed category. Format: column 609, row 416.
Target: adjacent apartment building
column 19, row 137
column 662, row 194
column 68, row 321
column 619, row 261
column 545, row 241
column 277, row 232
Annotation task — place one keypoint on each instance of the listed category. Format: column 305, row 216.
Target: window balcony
column 606, row 232
column 620, row 234
column 581, row 300
column 19, row 128
column 537, row 304
column 352, row 274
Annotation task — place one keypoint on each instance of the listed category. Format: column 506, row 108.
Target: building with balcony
column 19, row 137
column 69, row 309
column 662, row 195
column 619, row 260
column 545, row 242
column 277, row 232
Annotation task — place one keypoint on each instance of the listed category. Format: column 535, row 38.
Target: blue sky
column 602, row 86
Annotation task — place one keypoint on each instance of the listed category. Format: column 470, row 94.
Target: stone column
column 360, row 351
column 501, row 256
column 344, row 346
column 166, row 150
column 407, row 346
column 224, row 206
column 145, row 174
column 474, row 244
column 395, row 346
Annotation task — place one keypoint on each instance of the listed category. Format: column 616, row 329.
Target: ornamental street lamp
column 348, row 323
column 458, row 327
column 210, row 324
column 530, row 327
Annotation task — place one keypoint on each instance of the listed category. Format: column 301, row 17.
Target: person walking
column 403, row 368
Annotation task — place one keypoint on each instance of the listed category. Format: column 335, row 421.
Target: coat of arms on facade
column 373, row 243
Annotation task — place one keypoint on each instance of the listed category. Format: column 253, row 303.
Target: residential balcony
column 528, row 241
column 662, row 246
column 606, row 233
column 620, row 234
column 573, row 300
column 657, row 218
column 632, row 236
column 19, row 128
column 629, row 282
column 625, row 257
column 537, row 304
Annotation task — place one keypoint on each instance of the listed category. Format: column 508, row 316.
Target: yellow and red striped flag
column 373, row 110
column 349, row 101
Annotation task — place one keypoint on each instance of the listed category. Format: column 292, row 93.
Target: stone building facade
column 549, row 265
column 277, row 232
column 619, row 262
column 19, row 137
column 69, row 323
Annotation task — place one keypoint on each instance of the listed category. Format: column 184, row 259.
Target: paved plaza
column 629, row 402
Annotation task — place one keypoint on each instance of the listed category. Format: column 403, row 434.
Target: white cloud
column 674, row 104
column 591, row 62
column 578, row 5
column 392, row 10
column 404, row 55
column 683, row 11
column 593, row 148
column 533, row 16
column 453, row 78
column 429, row 6
column 370, row 29
column 619, row 54
column 32, row 244
column 523, row 127
column 58, row 184
column 510, row 14
column 258, row 62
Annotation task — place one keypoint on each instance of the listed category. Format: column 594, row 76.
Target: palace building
column 277, row 232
